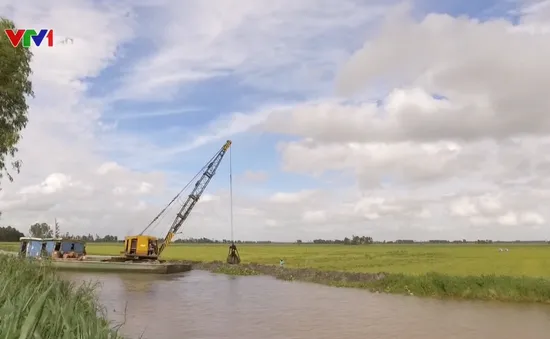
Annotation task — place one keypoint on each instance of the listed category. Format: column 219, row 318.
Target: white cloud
column 291, row 198
column 487, row 209
column 508, row 219
column 453, row 57
column 109, row 167
column 53, row 183
column 532, row 218
column 475, row 157
column 262, row 41
column 314, row 216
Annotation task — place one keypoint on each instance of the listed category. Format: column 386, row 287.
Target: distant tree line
column 10, row 234
column 354, row 240
column 44, row 230
column 92, row 238
column 214, row 241
column 368, row 240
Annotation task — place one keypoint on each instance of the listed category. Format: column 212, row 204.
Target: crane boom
column 195, row 195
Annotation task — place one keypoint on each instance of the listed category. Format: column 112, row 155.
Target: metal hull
column 103, row 266
column 95, row 263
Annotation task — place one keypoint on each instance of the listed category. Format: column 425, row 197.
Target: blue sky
column 193, row 106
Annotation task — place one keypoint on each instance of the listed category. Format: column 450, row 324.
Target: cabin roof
column 52, row 239
column 72, row 241
column 30, row 239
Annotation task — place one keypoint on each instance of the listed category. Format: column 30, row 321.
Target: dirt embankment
column 485, row 287
column 284, row 273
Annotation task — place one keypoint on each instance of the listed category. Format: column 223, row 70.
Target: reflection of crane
column 146, row 247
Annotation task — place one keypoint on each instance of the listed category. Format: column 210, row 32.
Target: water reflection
column 204, row 305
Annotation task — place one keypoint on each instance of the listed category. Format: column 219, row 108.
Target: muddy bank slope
column 484, row 287
column 284, row 273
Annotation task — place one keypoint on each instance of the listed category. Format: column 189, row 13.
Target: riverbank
column 484, row 287
column 36, row 303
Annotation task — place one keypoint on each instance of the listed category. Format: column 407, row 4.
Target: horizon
column 200, row 240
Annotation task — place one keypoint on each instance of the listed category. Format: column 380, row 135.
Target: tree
column 57, row 233
column 15, row 88
column 10, row 234
column 41, row 230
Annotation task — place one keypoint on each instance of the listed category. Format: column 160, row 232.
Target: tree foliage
column 10, row 234
column 57, row 231
column 91, row 237
column 15, row 88
column 41, row 230
column 354, row 240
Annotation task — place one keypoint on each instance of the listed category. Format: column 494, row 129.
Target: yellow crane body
column 141, row 247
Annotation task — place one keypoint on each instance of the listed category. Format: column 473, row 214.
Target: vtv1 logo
column 28, row 35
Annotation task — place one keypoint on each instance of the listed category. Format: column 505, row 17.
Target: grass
column 467, row 271
column 455, row 260
column 484, row 287
column 36, row 303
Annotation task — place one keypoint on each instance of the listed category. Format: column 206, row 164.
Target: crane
column 146, row 247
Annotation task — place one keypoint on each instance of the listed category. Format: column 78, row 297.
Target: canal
column 204, row 305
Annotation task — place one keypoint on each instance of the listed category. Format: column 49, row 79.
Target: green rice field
column 456, row 260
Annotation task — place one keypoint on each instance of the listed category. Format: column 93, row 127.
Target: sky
column 398, row 120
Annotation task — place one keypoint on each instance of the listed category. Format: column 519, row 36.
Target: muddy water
column 205, row 305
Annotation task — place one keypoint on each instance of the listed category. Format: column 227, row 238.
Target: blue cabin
column 38, row 247
column 51, row 245
column 70, row 245
column 31, row 247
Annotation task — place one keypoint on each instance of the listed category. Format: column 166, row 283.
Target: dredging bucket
column 233, row 257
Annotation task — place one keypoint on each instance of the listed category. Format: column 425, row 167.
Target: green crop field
column 458, row 260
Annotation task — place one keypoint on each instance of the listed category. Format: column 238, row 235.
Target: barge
column 120, row 266
column 70, row 255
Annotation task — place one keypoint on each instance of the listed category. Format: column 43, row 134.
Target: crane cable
column 180, row 192
column 231, row 192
